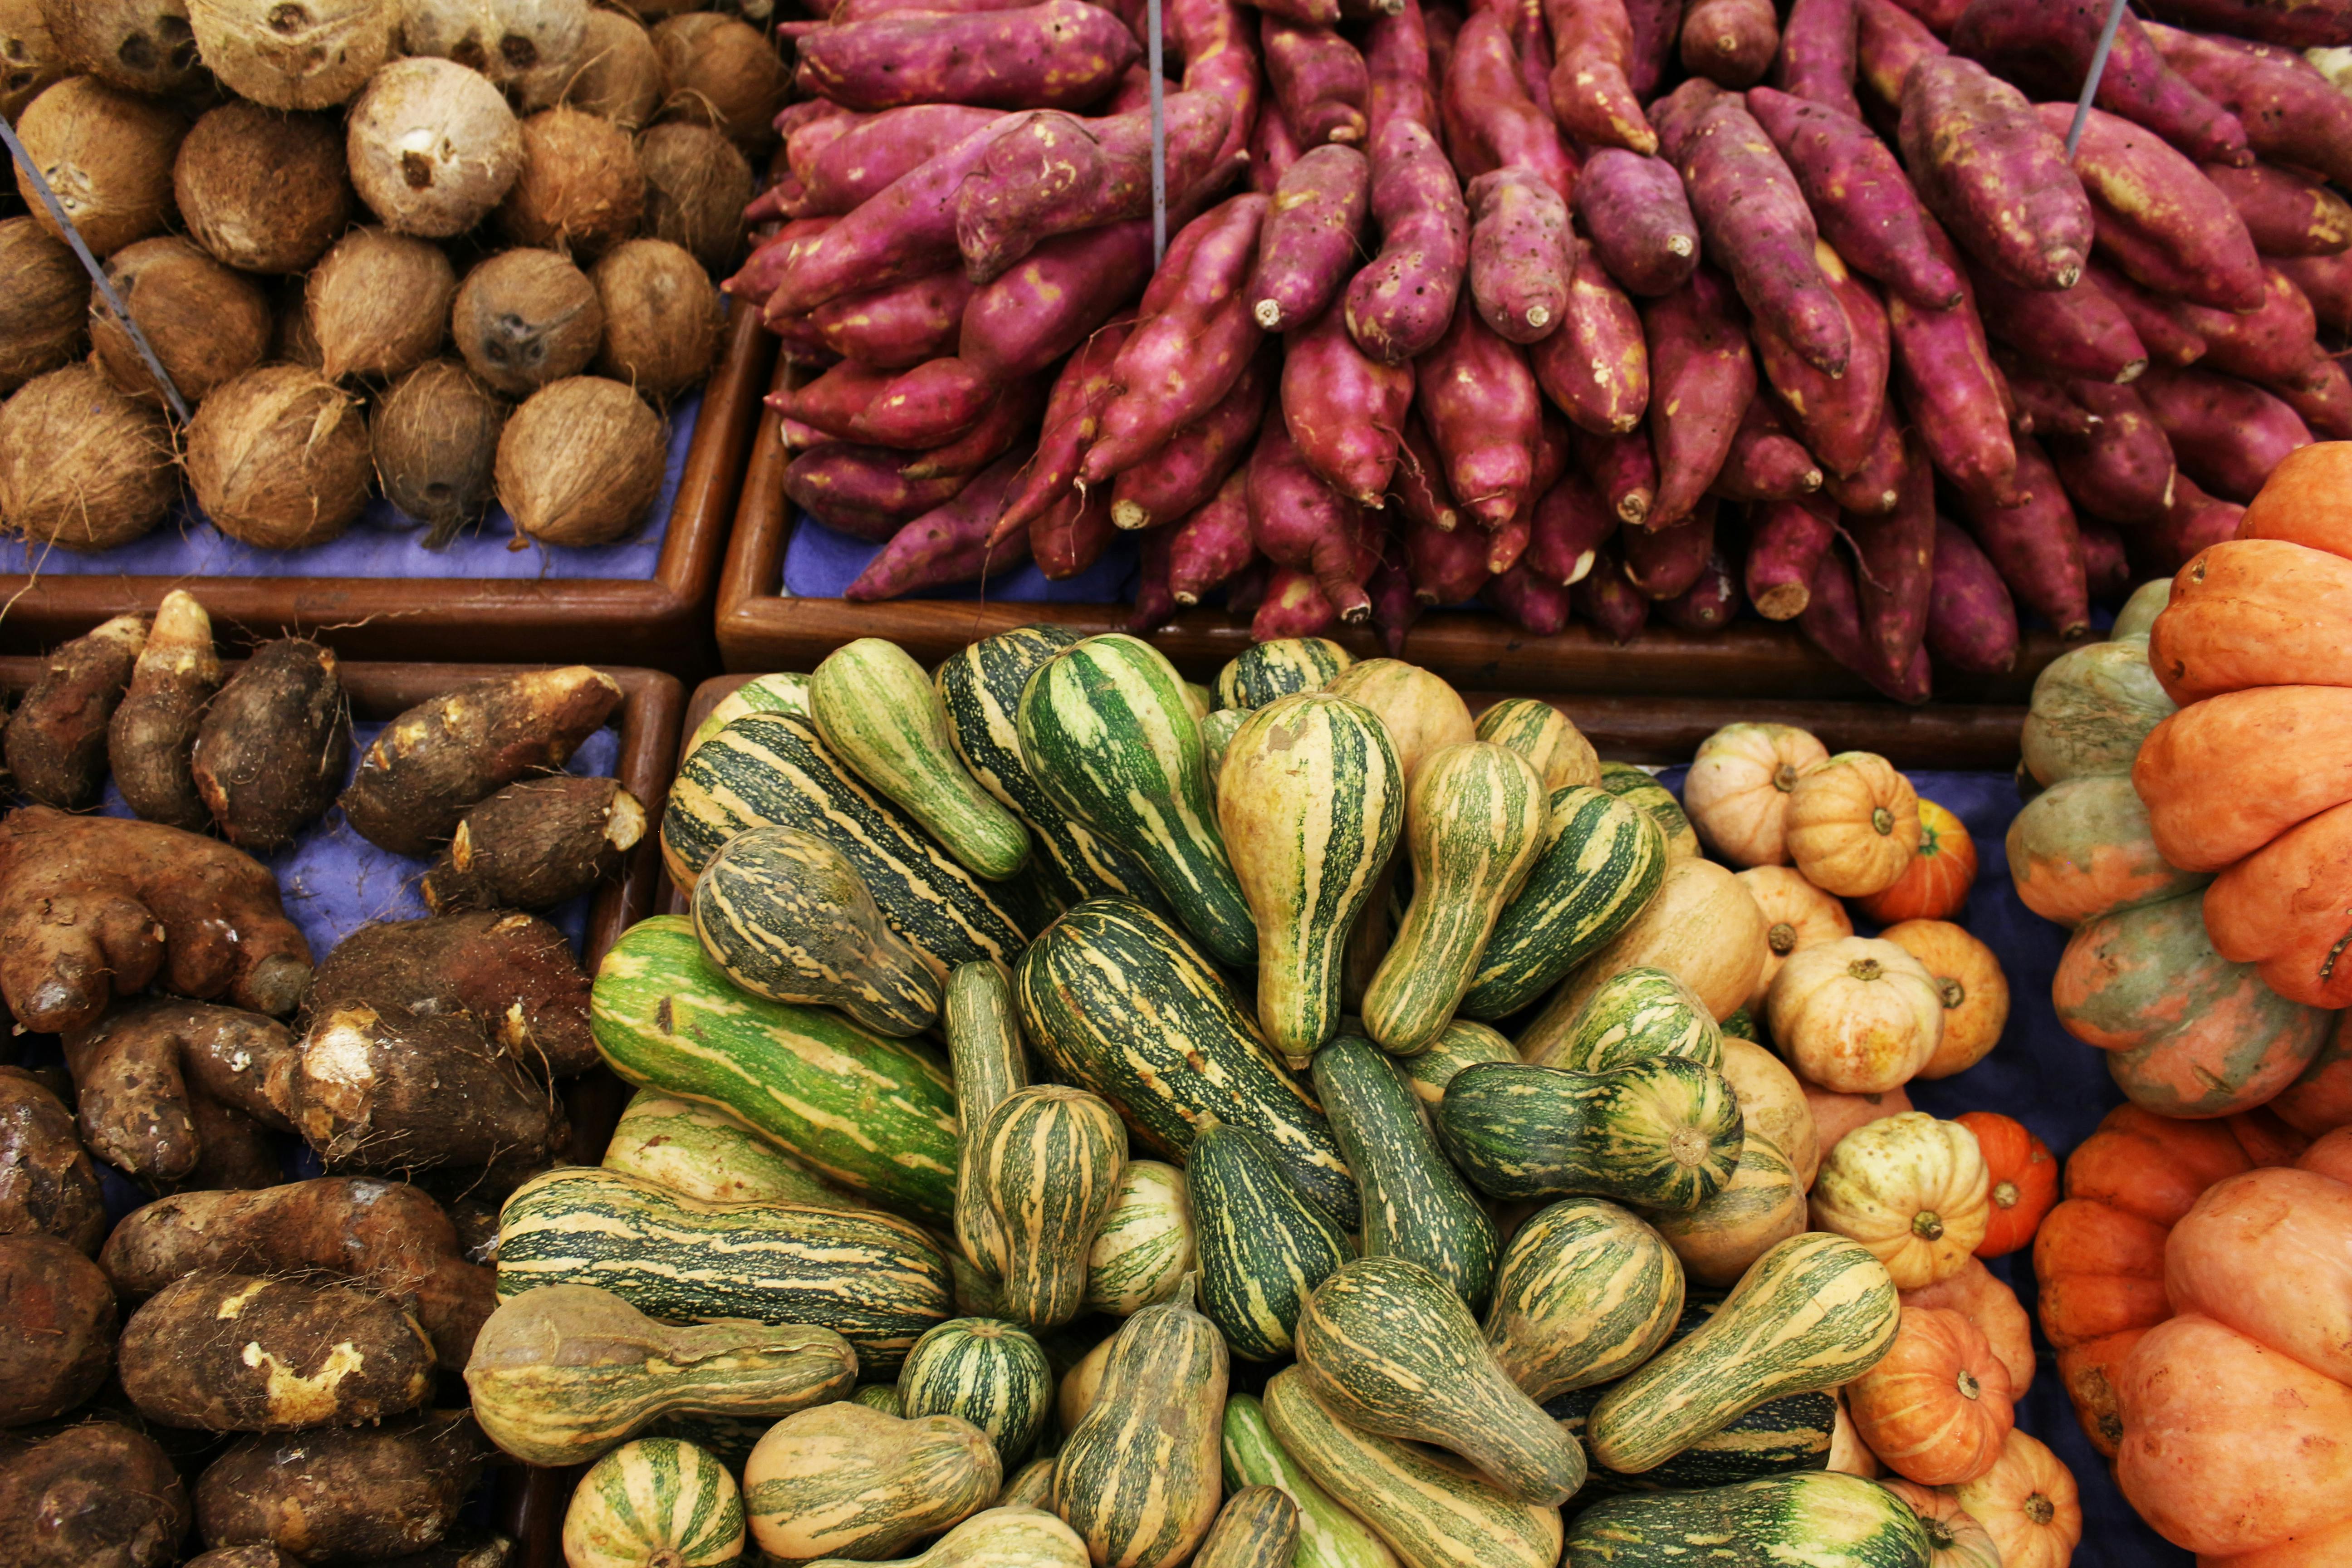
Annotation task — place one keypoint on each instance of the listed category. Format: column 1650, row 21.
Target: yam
column 151, row 733
column 2226, row 434
column 1705, row 377
column 948, row 544
column 1062, row 54
column 512, row 976
column 1944, row 370
column 1184, row 473
column 56, row 740
column 1731, row 43
column 359, row 1494
column 1212, row 545
column 274, row 745
column 1639, row 221
column 1817, row 61
column 1971, row 619
column 1298, row 521
column 2161, row 221
column 1480, row 399
column 1863, row 203
column 60, row 1315
column 2286, row 211
column 1320, row 85
column 1397, row 59
column 2292, row 113
column 1590, row 91
column 2122, row 468
column 1521, row 262
column 1785, row 545
column 536, row 844
column 98, row 1495
column 1837, row 417
column 1766, row 463
column 2078, row 331
column 1991, row 170
column 1604, row 598
column 1344, row 409
column 2046, row 48
column 1400, row 305
column 1309, row 237
column 1072, row 535
column 1053, row 300
column 47, row 1185
column 901, row 325
column 135, row 1108
column 2034, row 543
column 1488, row 113
column 397, row 1092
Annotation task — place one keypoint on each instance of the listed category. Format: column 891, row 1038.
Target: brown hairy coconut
column 722, row 72
column 581, row 462
column 29, row 60
column 379, row 302
column 264, row 192
column 661, row 318
column 435, row 435
column 525, row 317
column 618, row 75
column 698, row 184
column 293, row 54
column 293, row 342
column 530, row 46
column 433, row 147
column 652, row 11
column 144, row 46
column 44, row 307
column 107, row 154
column 81, row 465
column 206, row 323
column 581, row 189
column 279, row 458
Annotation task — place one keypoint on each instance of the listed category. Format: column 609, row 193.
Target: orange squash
column 2254, row 612
column 1954, row 1539
column 2308, row 500
column 1978, row 1295
column 2321, row 1099
column 1849, row 1455
column 2083, row 848
column 2329, row 1546
column 2330, row 1156
column 1835, row 1114
column 1797, row 915
column 1856, row 1014
column 1936, row 1405
column 1969, row 981
column 1854, row 823
column 2287, row 909
column 2028, row 1503
column 2269, row 1254
column 1737, row 789
column 2227, row 775
column 2024, row 1180
column 1934, row 885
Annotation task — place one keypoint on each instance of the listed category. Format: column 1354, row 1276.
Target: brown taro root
column 436, row 761
column 47, row 1185
column 97, row 906
column 395, row 1090
column 60, row 1341
column 511, row 976
column 238, row 1352
column 149, row 738
column 358, row 1495
column 94, row 1496
column 57, row 739
column 244, row 1557
column 167, row 1090
column 275, row 745
column 535, row 844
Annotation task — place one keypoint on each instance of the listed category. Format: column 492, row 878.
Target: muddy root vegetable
column 535, row 844
column 1990, row 168
column 1400, row 305
column 274, row 744
column 53, row 1188
column 1638, row 220
column 150, row 733
column 62, row 1313
column 355, row 1494
column 1309, row 237
column 177, row 1092
column 98, row 1493
column 511, row 977
column 56, row 740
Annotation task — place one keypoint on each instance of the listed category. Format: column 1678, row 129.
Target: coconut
column 525, row 317
column 433, row 147
column 44, row 306
column 435, row 435
column 530, row 46
column 206, row 323
column 293, row 54
column 293, row 342
column 661, row 318
column 143, row 46
column 581, row 189
column 29, row 60
column 698, row 184
column 582, row 461
column 107, row 155
column 722, row 72
column 264, row 191
column 279, row 458
column 81, row 465
column 652, row 11
column 379, row 303
column 618, row 75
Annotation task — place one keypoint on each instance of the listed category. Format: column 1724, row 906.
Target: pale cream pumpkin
column 1849, row 1455
column 2028, row 1503
column 1857, row 1015
column 1797, row 915
column 1954, row 1539
column 1771, row 1102
column 1421, row 713
column 1739, row 788
column 1912, row 1190
column 1853, row 824
column 1700, row 927
column 1968, row 982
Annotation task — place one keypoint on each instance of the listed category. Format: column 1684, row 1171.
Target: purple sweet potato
column 927, row 406
column 860, row 492
column 1832, row 621
column 1661, row 562
column 1971, row 620
column 1624, row 470
column 1987, row 165
column 1073, row 413
column 2045, row 47
column 2277, row 344
column 1894, row 562
column 2286, row 211
column 1704, row 377
column 1817, row 61
column 2193, row 523
column 1521, row 261
column 1396, row 56
column 1218, row 41
column 1888, row 41
column 2156, row 321
column 2071, row 332
column 1274, row 151
column 1319, row 82
column 1533, row 602
column 1759, row 230
column 861, row 158
column 2159, row 218
column 1483, row 415
column 2122, row 470
column 1837, row 417
column 1531, row 42
column 1491, row 121
column 1299, row 520
column 1605, row 598
column 1766, row 462
column 1596, row 367
column 1210, row 546
column 1708, row 604
column 1052, row 299
column 1012, row 417
column 1294, row 607
column 898, row 326
column 1571, row 524
column 2326, row 282
column 2292, row 113
column 2106, row 566
column 1446, row 568
column 1638, row 220
column 2041, row 404
column 1308, row 243
column 1786, row 541
column 775, row 256
column 1952, row 390
column 1877, row 486
column 2322, row 400
column 1731, row 43
column 1154, row 603
column 1345, row 410
column 1655, row 27
column 2226, row 434
column 1864, row 205
column 1400, row 305
column 1058, row 54
column 1073, row 534
column 831, row 402
column 1184, row 473
column 907, row 231
column 1590, row 90
column 2309, row 25
column 948, row 544
column 2034, row 544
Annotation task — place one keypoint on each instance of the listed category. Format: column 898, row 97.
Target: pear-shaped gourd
column 986, row 1372
column 1146, row 1246
column 877, row 711
column 1637, row 1014
column 1586, row 1293
column 784, row 915
column 846, row 1481
column 1474, row 822
column 1050, row 1160
column 1139, row 1478
column 985, row 1053
column 1421, row 713
column 1310, row 800
column 1281, row 667
column 1543, row 734
column 1264, row 1245
column 1257, row 1528
column 1602, row 861
column 1217, row 732
column 1007, row 1535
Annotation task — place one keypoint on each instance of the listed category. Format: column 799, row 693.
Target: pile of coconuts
column 455, row 252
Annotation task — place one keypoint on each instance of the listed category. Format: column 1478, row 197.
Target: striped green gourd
column 1661, row 1134
column 773, row 768
column 1328, row 1535
column 1121, row 1004
column 1741, row 1026
column 1389, row 1349
column 981, row 688
column 986, row 1372
column 1639, row 787
column 1033, row 1487
column 847, row 1481
column 1603, row 860
column 1257, row 1528
column 1416, row 1205
column 1264, row 1246
column 1761, row 1205
column 977, row 1294
column 874, row 1114
column 1818, row 1518
column 1140, row 1477
column 1050, row 1159
column 784, row 915
column 1006, row 1535
column 1282, row 667
column 1310, row 801
column 873, row 1279
column 1217, row 732
column 1586, row 1293
column 1542, row 734
column 700, row 1152
column 1431, row 1509
column 1146, row 1245
column 761, row 694
column 990, row 1065
column 1105, row 728
column 1815, row 1311
column 1474, row 821
column 1463, row 1043
column 882, row 1396
column 654, row 1501
column 1637, row 1014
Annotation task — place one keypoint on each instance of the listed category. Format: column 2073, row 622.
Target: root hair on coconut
column 618, row 75
column 45, row 307
column 293, row 54
column 141, row 45
column 107, row 155
column 525, row 317
column 279, row 458
column 661, row 317
column 581, row 190
column 29, row 60
column 435, row 436
column 530, row 46
column 722, row 72
column 262, row 190
column 581, row 462
column 206, row 322
column 433, row 147
column 377, row 303
column 698, row 184
column 82, row 467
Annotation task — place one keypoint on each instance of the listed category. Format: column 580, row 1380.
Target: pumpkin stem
column 1970, row 1387
column 2004, row 1195
column 1688, row 1147
column 2039, row 1510
column 1864, row 969
column 1951, row 990
column 1784, row 777
column 1928, row 1225
column 1882, row 821
column 1940, row 1535
column 1782, row 938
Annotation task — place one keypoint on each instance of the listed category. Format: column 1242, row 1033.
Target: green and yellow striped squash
column 1217, row 732
column 986, row 1372
column 698, row 1152
column 1034, row 1488
column 1145, row 1247
column 1661, row 1134
column 1389, row 1349
column 1433, row 1510
column 1603, row 860
column 1637, row 1014
column 775, row 768
column 784, row 915
column 1328, row 1535
column 1474, row 821
column 1586, row 1293
column 873, row 1279
column 847, row 1481
column 882, row 1396
column 1199, row 700
column 1281, row 667
column 1121, row 1004
column 1105, row 728
column 1818, row 1518
column 1763, row 1206
column 1264, row 1246
column 1257, row 1528
column 1741, row 1026
column 1815, row 1311
column 761, row 694
column 1416, row 1204
column 654, row 1501
column 1139, row 1478
column 1463, row 1043
column 1310, row 802
column 1641, row 789
column 990, row 1065
column 1542, row 734
column 1050, row 1159
column 981, row 688
column 874, row 1114
column 1006, row 1535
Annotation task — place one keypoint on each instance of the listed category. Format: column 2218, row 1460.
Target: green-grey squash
column 990, row 1064
column 654, row 1502
column 1146, row 1245
column 987, row 1371
column 1140, row 1477
column 1257, row 1528
column 699, row 1152
column 1279, row 667
column 1263, row 1244
column 1328, row 1535
column 1006, row 1535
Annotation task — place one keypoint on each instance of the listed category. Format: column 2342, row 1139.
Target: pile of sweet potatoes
column 1600, row 308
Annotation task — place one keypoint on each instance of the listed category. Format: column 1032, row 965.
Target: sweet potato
column 1604, row 598
column 1530, row 600
column 2193, row 522
column 2322, row 400
column 1047, row 303
column 907, row 231
column 1710, row 603
column 1211, row 545
column 1531, row 42
column 1972, row 621
column 2159, row 322
column 2071, row 332
column 1876, row 487
column 98, row 1495
column 2161, row 220
column 535, row 844
column 1655, row 25
column 1491, row 122
column 1817, row 61
column 2277, row 343
column 863, row 491
column 2286, row 211
column 863, row 157
column 1073, row 413
column 1400, row 305
column 1832, row 621
column 1293, row 606
column 1059, row 54
column 1394, row 609
column 928, row 406
column 1446, row 568
column 831, row 402
column 1661, row 562
column 239, row 1352
column 1419, row 480
column 1073, row 534
column 2226, row 434
column 946, row 545
column 362, row 1494
column 1952, row 390
column 2123, row 469
column 1836, row 417
column 2039, row 402
column 149, row 737
column 1624, row 470
column 1218, row 41
column 898, row 326
column 2045, row 46
column 1298, row 521
column 1984, row 162
column 1309, row 238
column 1731, row 43
column 47, row 1185
column 1396, row 56
column 1345, row 410
column 2106, row 566
column 1895, row 563
column 60, row 1343
column 1186, row 472
column 1011, row 418
column 1591, row 94
column 2034, row 544
column 1705, row 377
column 1320, row 84
column 1153, row 602
column 2326, row 282
column 1520, row 259
column 1888, row 41
column 1596, row 367
column 511, row 975
column 1785, row 543
column 1865, row 207
column 275, row 745
column 1766, row 463
column 56, row 743
column 1554, row 448
column 443, row 757
column 2291, row 112
column 92, row 908
column 1273, row 152
column 1638, row 220
column 1571, row 524
column 1759, row 230
column 1480, row 399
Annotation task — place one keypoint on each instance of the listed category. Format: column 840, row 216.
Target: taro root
column 207, row 323
column 618, row 74
column 98, row 1495
column 293, row 54
column 150, row 737
column 56, row 738
column 279, row 458
column 661, row 318
column 435, row 436
column 511, row 976
column 62, row 1324
column 45, row 306
column 173, row 1092
column 107, row 155
column 698, row 184
column 581, row 462
column 274, row 745
column 526, row 318
column 535, row 844
column 580, row 190
column 140, row 45
column 263, row 191
column 29, row 60
column 81, row 465
column 531, row 46
column 47, row 1185
column 724, row 73
column 377, row 303
column 366, row 1494
column 433, row 147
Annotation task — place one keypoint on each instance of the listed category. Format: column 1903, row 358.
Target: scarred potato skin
column 348, row 1494
column 60, row 1315
column 94, row 1496
column 47, row 1185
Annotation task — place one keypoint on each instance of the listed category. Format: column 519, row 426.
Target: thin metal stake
column 1158, row 136
column 2090, row 82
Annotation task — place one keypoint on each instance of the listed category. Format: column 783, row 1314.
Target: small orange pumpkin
column 2024, row 1180
column 1936, row 1405
column 1954, row 1539
column 1854, row 823
column 2331, row 1156
column 1797, row 915
column 1738, row 786
column 1935, row 886
column 2028, row 1503
column 1976, row 1294
column 1969, row 983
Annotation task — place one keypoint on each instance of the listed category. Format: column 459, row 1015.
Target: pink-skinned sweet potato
column 1604, row 598
column 898, row 326
column 1186, row 472
column 1521, row 263
column 1832, row 621
column 1624, row 470
column 1591, row 94
column 2309, row 25
column 1308, row 243
column 1704, row 376
column 1246, row 589
column 2192, row 524
column 1986, row 164
column 1293, row 606
column 2045, row 47
column 808, row 128
column 1894, row 558
column 1400, row 305
column 2226, row 434
column 1837, row 417
column 1654, row 27
column 1010, row 418
column 907, row 231
column 1638, row 220
column 1484, row 414
column 858, row 160
column 1057, row 54
column 1596, row 368
column 2040, row 403
column 927, row 406
column 1572, row 522
column 1766, row 463
column 1818, row 59
column 2157, row 322
column 2326, row 282
column 1876, row 487
column 1661, row 562
column 1530, row 600
column 1218, row 42
column 2286, row 211
column 1047, row 303
column 1946, row 374
column 1345, row 410
column 863, row 491
column 1731, row 43
column 2277, row 344
column 1785, row 543
column 1531, row 43
column 1273, row 151
column 1394, row 609
column 833, row 401
column 1297, row 521
column 1153, row 604
column 1211, row 545
column 2122, row 469
column 1759, row 230
column 2070, row 332
column 1073, row 413
column 1861, row 201
column 1491, row 122
column 1418, row 482
column 948, row 544
column 1446, row 568
column 2322, row 400
column 773, row 256
column 1888, row 41
column 2106, row 563
column 2291, row 112
column 1073, row 534
column 2035, row 545
column 1710, row 603
column 1971, row 619
column 1396, row 57
column 1319, row 82
column 2158, row 217
column 1554, row 449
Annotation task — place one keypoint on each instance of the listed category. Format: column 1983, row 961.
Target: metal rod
column 2091, row 81
column 1158, row 135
